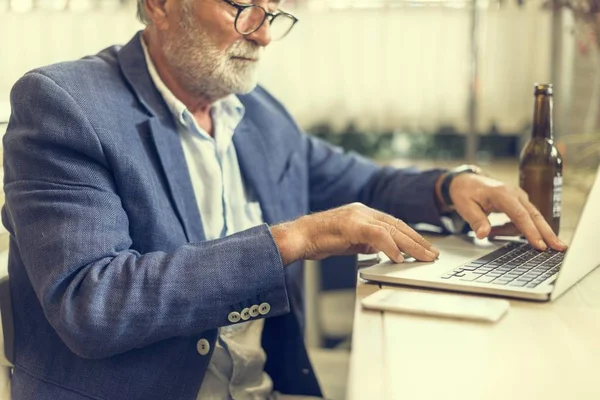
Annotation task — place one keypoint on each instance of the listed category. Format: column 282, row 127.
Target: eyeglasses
column 251, row 17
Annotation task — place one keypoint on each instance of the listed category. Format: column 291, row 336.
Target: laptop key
column 514, row 264
column 495, row 254
column 533, row 262
column 470, row 277
column 523, row 281
column 494, row 264
column 521, row 271
column 448, row 276
column 486, row 279
column 517, row 283
column 529, row 277
column 512, row 276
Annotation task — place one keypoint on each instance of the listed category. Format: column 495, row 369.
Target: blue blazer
column 113, row 283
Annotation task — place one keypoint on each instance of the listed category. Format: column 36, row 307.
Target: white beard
column 205, row 70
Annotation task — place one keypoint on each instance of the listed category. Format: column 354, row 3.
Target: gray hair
column 141, row 12
column 143, row 17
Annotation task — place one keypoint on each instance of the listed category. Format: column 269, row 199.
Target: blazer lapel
column 165, row 136
column 256, row 166
column 170, row 152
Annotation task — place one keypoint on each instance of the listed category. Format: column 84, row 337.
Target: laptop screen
column 577, row 183
column 580, row 224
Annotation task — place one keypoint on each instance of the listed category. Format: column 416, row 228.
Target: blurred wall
column 383, row 69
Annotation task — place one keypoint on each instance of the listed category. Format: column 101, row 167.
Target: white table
column 537, row 351
column 548, row 351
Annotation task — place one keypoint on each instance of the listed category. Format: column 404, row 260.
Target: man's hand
column 476, row 196
column 351, row 229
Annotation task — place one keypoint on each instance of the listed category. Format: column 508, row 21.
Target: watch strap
column 450, row 175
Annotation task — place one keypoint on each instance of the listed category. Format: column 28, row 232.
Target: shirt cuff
column 454, row 223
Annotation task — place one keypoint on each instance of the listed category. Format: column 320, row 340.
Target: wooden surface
column 367, row 378
column 537, row 351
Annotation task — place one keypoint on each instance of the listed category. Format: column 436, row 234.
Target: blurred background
column 388, row 78
column 414, row 82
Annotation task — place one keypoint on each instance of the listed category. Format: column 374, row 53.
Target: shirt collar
column 230, row 105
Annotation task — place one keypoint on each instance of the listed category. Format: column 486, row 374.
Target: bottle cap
column 543, row 88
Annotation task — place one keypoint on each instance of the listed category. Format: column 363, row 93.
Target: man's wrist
column 439, row 200
column 289, row 241
column 444, row 182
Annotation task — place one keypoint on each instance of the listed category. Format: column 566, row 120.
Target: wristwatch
column 450, row 175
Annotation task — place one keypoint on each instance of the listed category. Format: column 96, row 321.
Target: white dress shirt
column 236, row 369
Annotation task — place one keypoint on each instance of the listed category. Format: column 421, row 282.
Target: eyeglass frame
column 241, row 7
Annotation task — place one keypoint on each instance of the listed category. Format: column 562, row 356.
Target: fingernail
column 436, row 251
column 431, row 254
column 541, row 244
column 561, row 243
column 400, row 259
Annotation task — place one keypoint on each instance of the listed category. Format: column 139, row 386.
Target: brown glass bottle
column 540, row 163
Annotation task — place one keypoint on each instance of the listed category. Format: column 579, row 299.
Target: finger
column 508, row 229
column 543, row 227
column 378, row 237
column 360, row 249
column 475, row 217
column 406, row 230
column 523, row 220
column 406, row 243
column 369, row 250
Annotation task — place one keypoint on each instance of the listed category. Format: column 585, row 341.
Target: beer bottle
column 540, row 163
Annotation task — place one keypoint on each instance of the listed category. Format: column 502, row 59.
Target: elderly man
column 159, row 205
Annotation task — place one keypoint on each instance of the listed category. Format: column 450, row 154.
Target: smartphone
column 437, row 304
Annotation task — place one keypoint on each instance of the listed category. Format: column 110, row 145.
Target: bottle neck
column 542, row 117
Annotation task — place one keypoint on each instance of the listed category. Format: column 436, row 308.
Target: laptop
column 509, row 268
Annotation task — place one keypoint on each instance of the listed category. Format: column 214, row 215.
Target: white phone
column 437, row 304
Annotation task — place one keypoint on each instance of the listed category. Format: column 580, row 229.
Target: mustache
column 246, row 50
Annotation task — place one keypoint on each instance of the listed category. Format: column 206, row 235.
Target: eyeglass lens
column 250, row 19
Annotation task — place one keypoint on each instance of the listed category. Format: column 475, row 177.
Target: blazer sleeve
column 337, row 178
column 66, row 219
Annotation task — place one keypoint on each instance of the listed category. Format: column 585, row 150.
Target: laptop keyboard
column 514, row 265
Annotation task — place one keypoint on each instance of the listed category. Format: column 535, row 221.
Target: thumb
column 476, row 217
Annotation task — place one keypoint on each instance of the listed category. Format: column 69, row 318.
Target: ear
column 158, row 12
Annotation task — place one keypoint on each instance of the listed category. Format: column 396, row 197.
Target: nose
column 262, row 36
